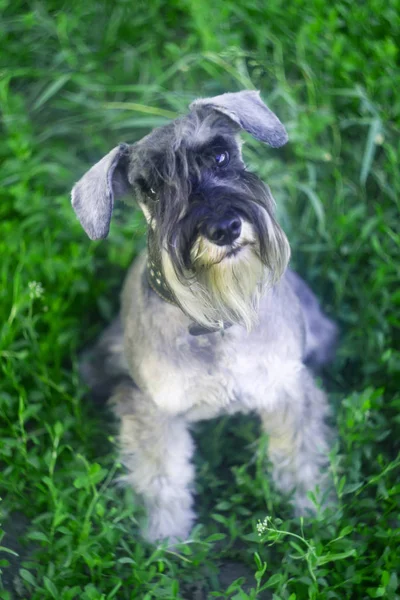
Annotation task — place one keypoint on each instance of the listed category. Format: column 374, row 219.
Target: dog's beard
column 225, row 284
column 233, row 287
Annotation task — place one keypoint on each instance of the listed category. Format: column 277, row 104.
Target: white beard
column 222, row 288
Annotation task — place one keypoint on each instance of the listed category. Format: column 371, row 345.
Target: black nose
column 224, row 231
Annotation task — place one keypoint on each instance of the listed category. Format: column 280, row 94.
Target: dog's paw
column 167, row 526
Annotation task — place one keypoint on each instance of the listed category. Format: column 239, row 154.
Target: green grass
column 75, row 80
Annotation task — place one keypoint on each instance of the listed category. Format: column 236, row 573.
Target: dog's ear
column 250, row 113
column 93, row 196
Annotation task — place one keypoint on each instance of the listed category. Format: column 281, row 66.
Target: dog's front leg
column 156, row 449
column 299, row 440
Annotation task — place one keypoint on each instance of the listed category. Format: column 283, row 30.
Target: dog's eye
column 146, row 189
column 222, row 158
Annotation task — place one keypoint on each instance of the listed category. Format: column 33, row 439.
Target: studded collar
column 155, row 273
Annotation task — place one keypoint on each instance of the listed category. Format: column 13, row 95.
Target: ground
column 76, row 79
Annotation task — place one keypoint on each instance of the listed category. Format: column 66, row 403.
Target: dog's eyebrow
column 219, row 141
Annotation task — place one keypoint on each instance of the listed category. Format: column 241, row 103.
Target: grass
column 79, row 77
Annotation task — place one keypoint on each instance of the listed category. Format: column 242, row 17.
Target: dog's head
column 211, row 219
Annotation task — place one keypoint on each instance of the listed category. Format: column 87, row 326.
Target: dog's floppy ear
column 93, row 196
column 250, row 113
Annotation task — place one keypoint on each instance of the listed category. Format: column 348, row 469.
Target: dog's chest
column 203, row 376
column 220, row 373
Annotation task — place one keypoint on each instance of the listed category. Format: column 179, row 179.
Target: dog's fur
column 223, row 258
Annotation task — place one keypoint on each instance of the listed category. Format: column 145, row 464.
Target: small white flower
column 262, row 527
column 36, row 290
column 379, row 139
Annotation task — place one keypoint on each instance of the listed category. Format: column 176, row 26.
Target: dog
column 212, row 320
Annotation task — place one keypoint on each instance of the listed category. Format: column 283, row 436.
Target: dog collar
column 155, row 274
column 159, row 285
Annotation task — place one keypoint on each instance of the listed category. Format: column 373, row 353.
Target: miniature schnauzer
column 212, row 322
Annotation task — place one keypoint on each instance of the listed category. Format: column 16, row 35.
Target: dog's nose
column 225, row 231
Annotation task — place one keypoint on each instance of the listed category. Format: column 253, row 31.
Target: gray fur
column 321, row 332
column 250, row 113
column 93, row 196
column 167, row 378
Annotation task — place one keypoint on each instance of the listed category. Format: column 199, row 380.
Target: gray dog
column 212, row 323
